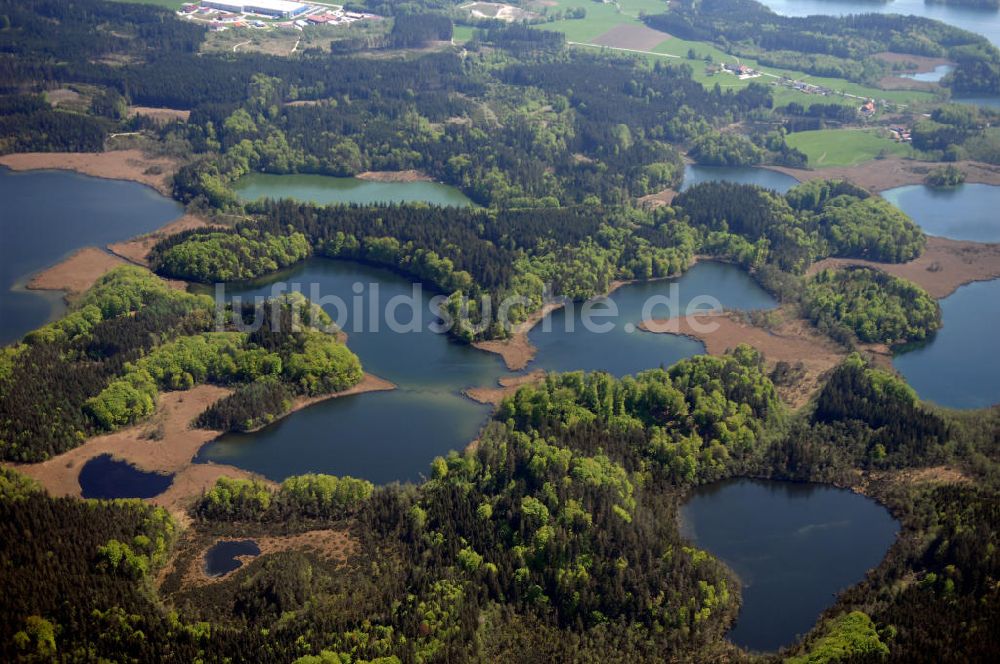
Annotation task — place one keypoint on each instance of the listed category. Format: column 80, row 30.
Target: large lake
column 959, row 367
column 763, row 177
column 391, row 436
column 793, row 546
column 327, row 190
column 48, row 215
column 985, row 22
column 965, row 212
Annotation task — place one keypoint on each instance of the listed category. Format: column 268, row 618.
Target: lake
column 388, row 436
column 327, row 190
column 965, row 212
column 958, row 367
column 107, row 477
column 793, row 546
column 48, row 215
column 985, row 22
column 569, row 346
column 763, row 177
column 223, row 557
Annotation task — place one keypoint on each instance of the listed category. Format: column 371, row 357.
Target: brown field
column 160, row 115
column 882, row 174
column 133, row 165
column 920, row 63
column 76, row 273
column 940, row 270
column 62, row 97
column 651, row 201
column 637, row 37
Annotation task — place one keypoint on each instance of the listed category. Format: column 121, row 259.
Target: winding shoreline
column 131, row 165
column 167, row 443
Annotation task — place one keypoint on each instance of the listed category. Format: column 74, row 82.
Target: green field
column 827, row 148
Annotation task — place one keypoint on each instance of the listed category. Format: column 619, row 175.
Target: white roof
column 275, row 5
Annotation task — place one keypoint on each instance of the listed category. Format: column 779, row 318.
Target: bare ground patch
column 793, row 341
column 660, row 198
column 411, row 175
column 636, row 37
column 76, row 273
column 159, row 115
column 944, row 266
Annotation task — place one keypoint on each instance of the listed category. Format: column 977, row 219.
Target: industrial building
column 272, row 8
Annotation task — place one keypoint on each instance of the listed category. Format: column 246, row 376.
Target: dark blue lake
column 794, row 547
column 223, row 557
column 106, row 477
column 49, row 214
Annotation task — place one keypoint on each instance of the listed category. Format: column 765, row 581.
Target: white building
column 273, row 8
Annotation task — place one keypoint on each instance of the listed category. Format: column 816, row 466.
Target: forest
column 555, row 536
column 130, row 336
column 874, row 306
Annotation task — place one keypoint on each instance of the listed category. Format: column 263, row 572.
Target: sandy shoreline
column 411, row 175
column 943, row 267
column 76, row 273
column 166, row 443
column 508, row 385
column 136, row 250
column 881, row 174
column 133, row 165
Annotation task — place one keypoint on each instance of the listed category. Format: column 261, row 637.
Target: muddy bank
column 508, row 385
column 136, row 250
column 411, row 175
column 943, row 267
column 155, row 172
column 166, row 443
column 914, row 64
column 881, row 174
column 793, row 341
column 77, row 273
column 516, row 350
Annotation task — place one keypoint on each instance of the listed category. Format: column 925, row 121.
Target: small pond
column 793, row 546
column 762, row 177
column 224, row 555
column 107, row 477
